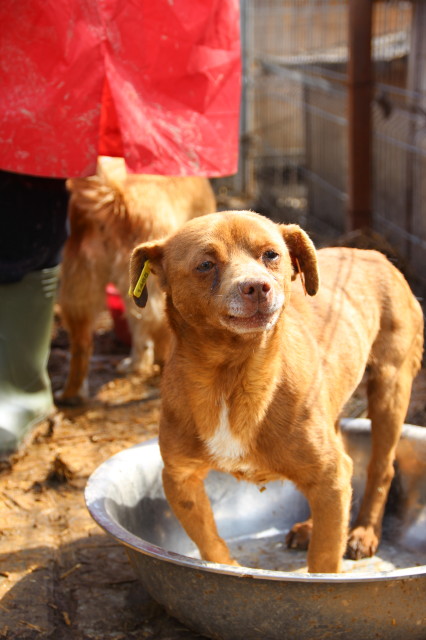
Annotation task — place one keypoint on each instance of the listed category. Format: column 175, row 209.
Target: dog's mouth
column 258, row 321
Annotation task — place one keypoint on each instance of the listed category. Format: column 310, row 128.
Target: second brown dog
column 109, row 213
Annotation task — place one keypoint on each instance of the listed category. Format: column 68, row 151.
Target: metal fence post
column 360, row 82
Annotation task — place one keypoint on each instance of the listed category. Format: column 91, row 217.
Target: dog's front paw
column 299, row 535
column 234, row 563
column 72, row 395
column 143, row 370
column 125, row 366
column 362, row 543
column 67, row 399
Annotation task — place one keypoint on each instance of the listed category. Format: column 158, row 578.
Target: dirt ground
column 61, row 577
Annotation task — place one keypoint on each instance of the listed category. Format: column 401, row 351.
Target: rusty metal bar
column 360, row 82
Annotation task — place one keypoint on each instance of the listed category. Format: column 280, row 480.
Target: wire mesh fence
column 294, row 154
column 399, row 116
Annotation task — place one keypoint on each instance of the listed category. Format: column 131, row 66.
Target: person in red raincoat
column 157, row 83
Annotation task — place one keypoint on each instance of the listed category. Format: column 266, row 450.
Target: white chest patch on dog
column 224, row 447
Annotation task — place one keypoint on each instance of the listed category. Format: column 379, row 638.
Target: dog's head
column 231, row 269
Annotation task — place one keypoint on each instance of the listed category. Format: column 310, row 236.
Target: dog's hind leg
column 150, row 334
column 75, row 390
column 389, row 389
column 82, row 298
column 141, row 359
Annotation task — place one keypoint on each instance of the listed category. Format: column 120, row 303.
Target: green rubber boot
column 26, row 315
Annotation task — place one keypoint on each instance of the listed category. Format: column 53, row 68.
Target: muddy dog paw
column 71, row 397
column 299, row 535
column 362, row 543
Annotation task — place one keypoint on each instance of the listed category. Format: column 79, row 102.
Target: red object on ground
column 116, row 308
column 155, row 82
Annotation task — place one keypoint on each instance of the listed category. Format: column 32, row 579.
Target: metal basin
column 271, row 596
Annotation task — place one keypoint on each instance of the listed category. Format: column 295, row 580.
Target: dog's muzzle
column 254, row 304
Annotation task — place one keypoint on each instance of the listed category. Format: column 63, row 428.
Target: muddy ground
column 61, row 577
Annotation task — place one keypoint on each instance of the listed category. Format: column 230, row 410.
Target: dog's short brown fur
column 259, row 372
column 109, row 213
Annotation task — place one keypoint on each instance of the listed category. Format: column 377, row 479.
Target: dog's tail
column 100, row 195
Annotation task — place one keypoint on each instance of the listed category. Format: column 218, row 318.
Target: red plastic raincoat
column 155, row 81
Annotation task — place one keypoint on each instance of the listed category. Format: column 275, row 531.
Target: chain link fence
column 294, row 148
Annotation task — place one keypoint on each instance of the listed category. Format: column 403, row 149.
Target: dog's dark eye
column 207, row 265
column 270, row 255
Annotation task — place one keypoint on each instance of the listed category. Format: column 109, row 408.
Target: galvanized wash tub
column 271, row 597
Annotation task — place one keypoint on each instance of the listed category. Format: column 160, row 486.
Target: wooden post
column 360, row 82
column 416, row 132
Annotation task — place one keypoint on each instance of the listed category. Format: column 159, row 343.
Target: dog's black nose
column 255, row 289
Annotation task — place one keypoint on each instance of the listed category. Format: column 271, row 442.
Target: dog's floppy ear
column 145, row 258
column 303, row 255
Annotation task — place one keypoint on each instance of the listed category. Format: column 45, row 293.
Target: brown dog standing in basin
column 259, row 372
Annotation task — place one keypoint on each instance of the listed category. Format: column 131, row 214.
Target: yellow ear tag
column 140, row 285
